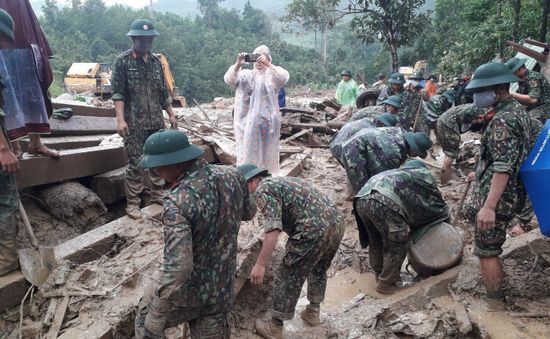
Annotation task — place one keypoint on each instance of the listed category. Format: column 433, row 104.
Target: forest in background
column 455, row 36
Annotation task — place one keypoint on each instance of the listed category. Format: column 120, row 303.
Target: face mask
column 143, row 47
column 485, row 99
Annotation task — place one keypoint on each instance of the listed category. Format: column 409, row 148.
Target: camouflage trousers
column 449, row 139
column 9, row 203
column 135, row 174
column 388, row 235
column 541, row 113
column 308, row 256
column 423, row 124
column 208, row 322
column 527, row 213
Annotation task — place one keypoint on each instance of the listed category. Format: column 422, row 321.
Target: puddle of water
column 346, row 285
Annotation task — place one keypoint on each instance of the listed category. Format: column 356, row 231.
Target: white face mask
column 485, row 99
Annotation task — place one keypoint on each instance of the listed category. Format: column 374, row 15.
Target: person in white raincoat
column 257, row 120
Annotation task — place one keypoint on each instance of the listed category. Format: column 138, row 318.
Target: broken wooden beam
column 295, row 110
column 72, row 164
column 60, row 311
column 326, row 127
column 83, row 125
column 85, row 110
column 297, row 135
column 538, row 44
column 540, row 57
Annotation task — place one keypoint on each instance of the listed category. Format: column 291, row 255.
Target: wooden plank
column 527, row 51
column 85, row 110
column 297, row 135
column 81, row 125
column 72, row 164
column 58, row 319
column 538, row 44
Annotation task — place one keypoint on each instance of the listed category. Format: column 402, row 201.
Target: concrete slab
column 69, row 142
column 85, row 110
column 110, row 186
column 83, row 125
column 72, row 164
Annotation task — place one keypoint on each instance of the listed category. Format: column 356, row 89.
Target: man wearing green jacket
column 347, row 90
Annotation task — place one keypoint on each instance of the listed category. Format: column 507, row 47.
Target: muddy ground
column 444, row 306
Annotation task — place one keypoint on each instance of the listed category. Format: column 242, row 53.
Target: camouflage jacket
column 536, row 86
column 142, row 87
column 202, row 216
column 376, row 150
column 414, row 190
column 385, row 93
column 346, row 132
column 296, row 207
column 459, row 118
column 410, row 101
column 504, row 146
column 370, row 112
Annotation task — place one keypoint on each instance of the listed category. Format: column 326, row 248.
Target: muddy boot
column 310, row 315
column 269, row 330
column 133, row 211
column 386, row 288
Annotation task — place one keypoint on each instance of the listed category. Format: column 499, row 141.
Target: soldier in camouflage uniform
column 202, row 216
column 9, row 198
column 433, row 109
column 390, row 105
column 140, row 94
column 354, row 127
column 315, row 228
column 397, row 80
column 390, row 206
column 534, row 89
column 409, row 100
column 499, row 194
column 372, row 151
column 454, row 122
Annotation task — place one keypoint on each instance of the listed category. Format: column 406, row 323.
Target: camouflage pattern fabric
column 370, row 112
column 202, row 216
column 410, row 101
column 346, row 132
column 536, row 86
column 452, row 124
column 431, row 112
column 387, row 250
column 209, row 322
column 504, row 146
column 315, row 228
column 135, row 174
column 9, row 207
column 386, row 93
column 142, row 87
column 372, row 151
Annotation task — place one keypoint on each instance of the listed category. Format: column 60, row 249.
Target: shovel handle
column 28, row 227
column 463, row 198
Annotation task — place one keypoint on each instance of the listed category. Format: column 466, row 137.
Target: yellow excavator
column 96, row 78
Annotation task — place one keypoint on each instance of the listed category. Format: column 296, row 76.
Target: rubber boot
column 386, row 288
column 310, row 315
column 269, row 330
column 133, row 211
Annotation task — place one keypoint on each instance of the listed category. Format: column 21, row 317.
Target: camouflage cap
column 6, row 25
column 515, row 63
column 142, row 27
column 394, row 100
column 397, row 78
column 415, row 163
column 419, row 142
column 250, row 171
column 491, row 74
column 387, row 119
column 168, row 147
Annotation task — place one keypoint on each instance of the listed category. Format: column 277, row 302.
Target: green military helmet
column 6, row 25
column 346, row 73
column 394, row 100
column 249, row 171
column 387, row 119
column 417, row 75
column 142, row 27
column 515, row 63
column 419, row 142
column 414, row 163
column 397, row 78
column 168, row 147
column 450, row 94
column 491, row 74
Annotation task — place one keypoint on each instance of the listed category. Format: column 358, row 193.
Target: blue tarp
column 535, row 174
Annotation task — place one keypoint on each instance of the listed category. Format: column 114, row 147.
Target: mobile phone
column 251, row 57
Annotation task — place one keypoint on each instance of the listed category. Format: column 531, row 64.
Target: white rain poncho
column 257, row 120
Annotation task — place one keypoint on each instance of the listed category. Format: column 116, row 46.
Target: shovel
column 36, row 263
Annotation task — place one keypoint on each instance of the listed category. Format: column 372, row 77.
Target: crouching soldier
column 372, row 151
column 449, row 127
column 315, row 228
column 202, row 216
column 390, row 105
column 390, row 206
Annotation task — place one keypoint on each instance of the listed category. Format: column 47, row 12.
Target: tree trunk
column 544, row 20
column 517, row 18
column 394, row 59
column 325, row 42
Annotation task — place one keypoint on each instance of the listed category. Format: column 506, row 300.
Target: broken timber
column 72, row 164
column 83, row 125
column 326, row 127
